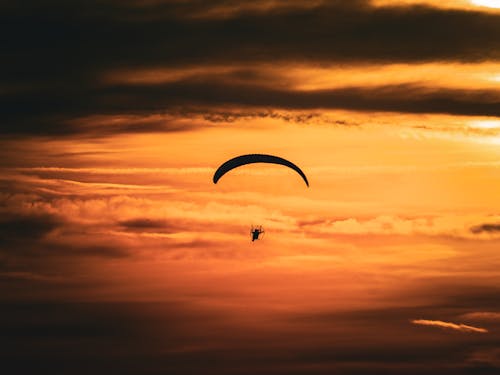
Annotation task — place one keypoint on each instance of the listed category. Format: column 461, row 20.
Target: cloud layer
column 55, row 60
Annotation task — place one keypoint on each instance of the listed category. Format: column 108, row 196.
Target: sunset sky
column 119, row 255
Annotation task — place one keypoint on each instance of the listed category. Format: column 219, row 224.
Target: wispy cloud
column 449, row 325
column 482, row 315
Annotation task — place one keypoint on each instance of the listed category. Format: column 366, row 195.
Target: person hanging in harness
column 256, row 232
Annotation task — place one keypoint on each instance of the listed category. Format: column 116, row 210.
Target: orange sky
column 108, row 201
column 382, row 195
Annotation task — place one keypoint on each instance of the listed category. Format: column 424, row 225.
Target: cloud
column 71, row 58
column 21, row 226
column 334, row 30
column 409, row 98
column 488, row 360
column 34, row 233
column 143, row 223
column 187, row 336
column 486, row 228
column 448, row 325
column 154, row 225
column 482, row 316
column 129, row 102
column 406, row 98
column 442, row 226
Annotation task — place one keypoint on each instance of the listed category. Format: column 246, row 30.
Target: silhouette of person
column 255, row 234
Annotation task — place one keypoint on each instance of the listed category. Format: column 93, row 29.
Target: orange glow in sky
column 487, row 3
column 118, row 253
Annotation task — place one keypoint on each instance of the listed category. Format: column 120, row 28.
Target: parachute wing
column 255, row 158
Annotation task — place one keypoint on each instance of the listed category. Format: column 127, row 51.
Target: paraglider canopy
column 255, row 158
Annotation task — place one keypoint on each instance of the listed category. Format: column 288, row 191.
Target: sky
column 118, row 254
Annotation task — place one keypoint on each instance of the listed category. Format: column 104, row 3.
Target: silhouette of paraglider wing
column 255, row 158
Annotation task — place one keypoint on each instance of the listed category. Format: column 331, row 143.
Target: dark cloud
column 218, row 116
column 396, row 98
column 26, row 236
column 154, row 225
column 143, row 223
column 186, row 338
column 112, row 33
column 20, row 250
column 158, row 98
column 21, row 227
column 55, row 56
column 57, row 119
column 486, row 228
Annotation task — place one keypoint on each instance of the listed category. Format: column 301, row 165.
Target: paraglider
column 255, row 158
column 239, row 161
